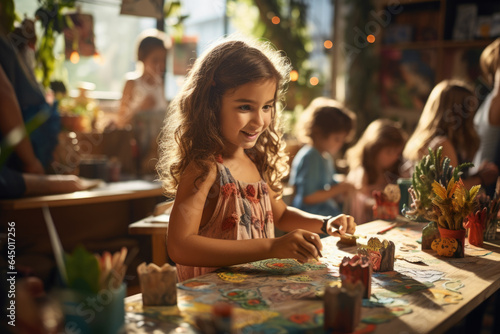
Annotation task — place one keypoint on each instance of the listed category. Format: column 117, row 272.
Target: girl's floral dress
column 243, row 211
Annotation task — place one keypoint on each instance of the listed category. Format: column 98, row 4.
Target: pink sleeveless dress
column 243, row 211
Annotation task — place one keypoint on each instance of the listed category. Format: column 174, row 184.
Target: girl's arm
column 448, row 149
column 186, row 247
column 288, row 218
column 486, row 175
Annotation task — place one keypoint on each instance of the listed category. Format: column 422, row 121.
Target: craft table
column 424, row 293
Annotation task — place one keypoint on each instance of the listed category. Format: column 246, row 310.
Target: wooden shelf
column 467, row 44
column 419, row 52
column 438, row 44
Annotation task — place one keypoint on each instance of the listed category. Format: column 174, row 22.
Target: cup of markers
column 93, row 299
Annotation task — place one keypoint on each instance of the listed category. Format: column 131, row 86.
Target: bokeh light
column 370, row 39
column 294, row 75
column 328, row 44
column 98, row 58
column 314, row 81
column 74, row 57
column 275, row 20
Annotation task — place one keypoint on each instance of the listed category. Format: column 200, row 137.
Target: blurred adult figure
column 487, row 118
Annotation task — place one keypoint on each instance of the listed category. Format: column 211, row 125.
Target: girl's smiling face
column 246, row 113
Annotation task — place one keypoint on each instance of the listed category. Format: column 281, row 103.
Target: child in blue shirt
column 324, row 128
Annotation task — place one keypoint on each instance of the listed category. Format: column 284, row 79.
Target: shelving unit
column 419, row 48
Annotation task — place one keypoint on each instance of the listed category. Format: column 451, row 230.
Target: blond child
column 324, row 127
column 222, row 157
column 374, row 162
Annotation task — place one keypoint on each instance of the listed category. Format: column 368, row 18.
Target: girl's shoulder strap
column 224, row 173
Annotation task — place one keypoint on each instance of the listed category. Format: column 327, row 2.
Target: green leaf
column 82, row 270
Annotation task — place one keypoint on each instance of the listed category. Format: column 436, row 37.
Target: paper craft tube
column 158, row 285
column 430, row 232
column 380, row 253
column 342, row 307
column 359, row 268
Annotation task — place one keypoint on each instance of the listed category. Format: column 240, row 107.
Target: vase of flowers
column 452, row 205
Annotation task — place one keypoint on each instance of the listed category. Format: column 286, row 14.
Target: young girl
column 374, row 162
column 447, row 121
column 324, row 127
column 222, row 157
column 144, row 91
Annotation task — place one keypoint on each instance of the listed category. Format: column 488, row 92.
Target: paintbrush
column 56, row 244
column 387, row 229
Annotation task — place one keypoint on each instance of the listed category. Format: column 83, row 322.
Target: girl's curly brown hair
column 192, row 134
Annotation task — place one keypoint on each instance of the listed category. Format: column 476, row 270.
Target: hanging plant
column 53, row 22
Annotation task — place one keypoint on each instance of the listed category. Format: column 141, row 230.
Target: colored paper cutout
column 232, row 276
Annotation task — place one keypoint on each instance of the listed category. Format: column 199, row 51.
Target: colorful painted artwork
column 285, row 296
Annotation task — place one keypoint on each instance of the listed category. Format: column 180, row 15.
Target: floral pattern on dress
column 257, row 224
column 269, row 217
column 245, row 220
column 230, row 222
column 251, row 194
column 229, row 189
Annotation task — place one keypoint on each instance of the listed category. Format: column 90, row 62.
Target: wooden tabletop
column 110, row 192
column 424, row 294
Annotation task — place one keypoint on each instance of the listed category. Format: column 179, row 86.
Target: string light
column 74, row 57
column 294, row 75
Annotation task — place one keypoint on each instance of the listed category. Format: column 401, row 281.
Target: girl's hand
column 301, row 245
column 340, row 225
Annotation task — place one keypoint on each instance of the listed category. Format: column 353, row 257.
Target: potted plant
column 431, row 168
column 452, row 204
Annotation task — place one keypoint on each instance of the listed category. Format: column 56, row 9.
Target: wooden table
column 285, row 296
column 111, row 192
column 157, row 227
column 97, row 218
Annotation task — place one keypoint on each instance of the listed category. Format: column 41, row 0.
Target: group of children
column 222, row 158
